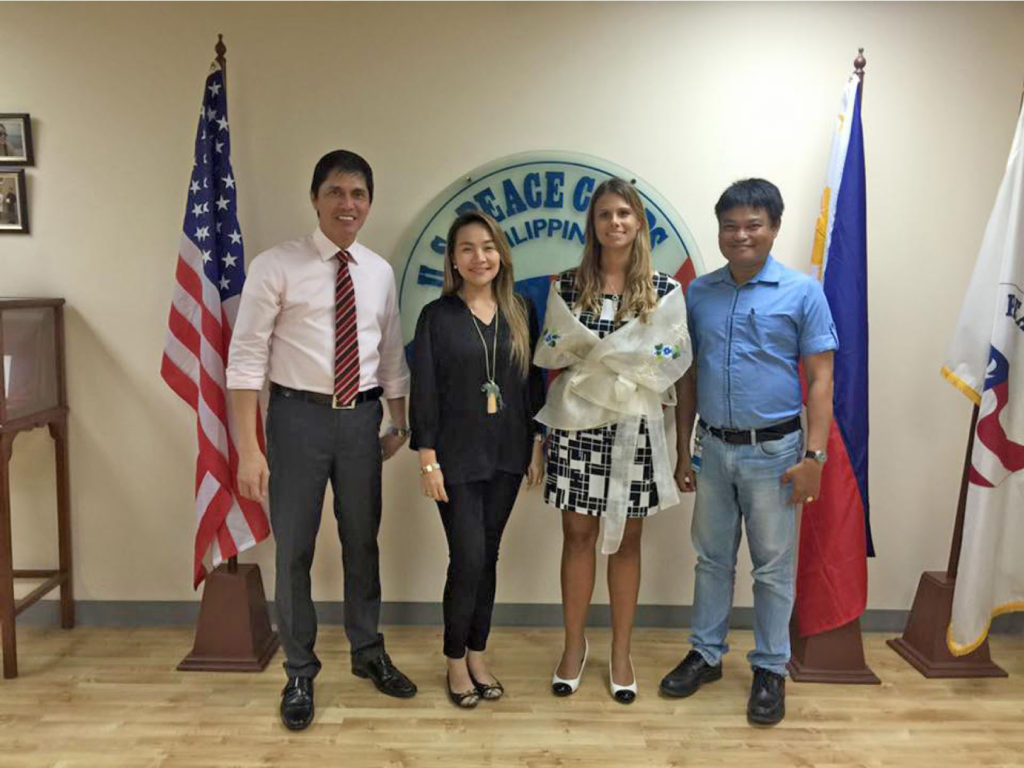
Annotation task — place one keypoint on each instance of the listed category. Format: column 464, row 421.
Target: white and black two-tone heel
column 561, row 686
column 624, row 694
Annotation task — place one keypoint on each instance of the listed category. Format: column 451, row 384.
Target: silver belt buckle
column 753, row 437
column 339, row 407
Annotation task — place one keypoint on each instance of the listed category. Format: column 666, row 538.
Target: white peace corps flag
column 986, row 363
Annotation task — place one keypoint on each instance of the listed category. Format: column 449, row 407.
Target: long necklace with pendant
column 490, row 387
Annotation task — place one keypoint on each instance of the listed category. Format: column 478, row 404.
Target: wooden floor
column 111, row 697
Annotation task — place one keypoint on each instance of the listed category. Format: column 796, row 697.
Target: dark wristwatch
column 818, row 456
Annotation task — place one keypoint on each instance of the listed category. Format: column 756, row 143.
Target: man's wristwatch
column 402, row 432
column 818, row 456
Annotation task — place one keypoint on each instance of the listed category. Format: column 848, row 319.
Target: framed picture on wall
column 13, row 202
column 15, row 139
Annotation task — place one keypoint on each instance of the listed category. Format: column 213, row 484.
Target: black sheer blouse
column 448, row 412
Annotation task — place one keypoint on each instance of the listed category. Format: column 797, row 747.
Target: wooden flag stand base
column 233, row 633
column 924, row 638
column 835, row 656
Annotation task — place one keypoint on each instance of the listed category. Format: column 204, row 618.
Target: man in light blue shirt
column 752, row 323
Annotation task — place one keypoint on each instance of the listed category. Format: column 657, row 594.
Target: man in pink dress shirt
column 285, row 331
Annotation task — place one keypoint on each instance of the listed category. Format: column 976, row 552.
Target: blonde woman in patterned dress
column 614, row 284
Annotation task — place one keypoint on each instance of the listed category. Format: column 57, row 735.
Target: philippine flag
column 831, row 586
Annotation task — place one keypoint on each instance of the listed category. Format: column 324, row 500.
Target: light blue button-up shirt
column 748, row 340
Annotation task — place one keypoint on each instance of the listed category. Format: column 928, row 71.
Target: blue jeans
column 743, row 482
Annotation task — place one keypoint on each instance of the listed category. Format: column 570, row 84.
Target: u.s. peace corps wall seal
column 540, row 199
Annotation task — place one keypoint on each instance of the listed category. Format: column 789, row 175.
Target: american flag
column 208, row 282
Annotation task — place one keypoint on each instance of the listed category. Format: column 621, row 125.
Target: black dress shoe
column 767, row 705
column 297, row 703
column 688, row 676
column 386, row 676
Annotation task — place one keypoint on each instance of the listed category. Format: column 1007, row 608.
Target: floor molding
column 147, row 613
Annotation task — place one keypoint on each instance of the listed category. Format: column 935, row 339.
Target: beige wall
column 689, row 97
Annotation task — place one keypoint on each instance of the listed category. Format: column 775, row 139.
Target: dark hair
column 510, row 304
column 341, row 161
column 752, row 193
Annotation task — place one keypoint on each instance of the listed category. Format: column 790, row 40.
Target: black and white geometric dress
column 579, row 462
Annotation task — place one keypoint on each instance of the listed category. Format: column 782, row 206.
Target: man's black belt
column 319, row 398
column 751, row 436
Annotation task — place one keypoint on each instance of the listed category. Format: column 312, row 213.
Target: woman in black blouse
column 474, row 395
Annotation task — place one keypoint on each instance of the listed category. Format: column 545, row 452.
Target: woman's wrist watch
column 426, row 469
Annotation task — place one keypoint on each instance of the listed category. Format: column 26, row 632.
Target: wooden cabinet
column 32, row 395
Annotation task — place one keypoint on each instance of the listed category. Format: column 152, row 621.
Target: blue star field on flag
column 211, row 215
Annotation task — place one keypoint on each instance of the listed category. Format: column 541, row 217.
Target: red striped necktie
column 346, row 339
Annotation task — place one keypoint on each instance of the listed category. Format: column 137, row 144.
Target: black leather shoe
column 386, row 676
column 767, row 705
column 297, row 703
column 688, row 676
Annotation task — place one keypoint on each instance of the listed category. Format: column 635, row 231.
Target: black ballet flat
column 489, row 692
column 465, row 699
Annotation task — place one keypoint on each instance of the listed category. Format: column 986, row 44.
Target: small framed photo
column 13, row 202
column 15, row 139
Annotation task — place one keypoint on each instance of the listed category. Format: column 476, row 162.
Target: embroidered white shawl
column 619, row 379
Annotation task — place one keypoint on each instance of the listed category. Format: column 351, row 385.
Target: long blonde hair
column 639, row 297
column 511, row 306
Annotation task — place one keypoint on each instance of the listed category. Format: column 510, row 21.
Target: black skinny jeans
column 474, row 518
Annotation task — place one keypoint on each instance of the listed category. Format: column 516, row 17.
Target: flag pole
column 221, row 50
column 961, row 504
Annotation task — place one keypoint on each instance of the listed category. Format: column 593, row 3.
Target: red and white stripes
column 195, row 355
column 346, row 340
